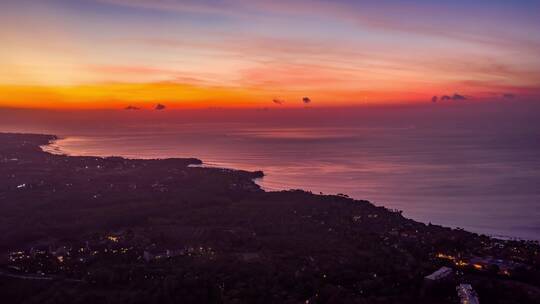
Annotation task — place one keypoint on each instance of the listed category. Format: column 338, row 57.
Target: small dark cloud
column 278, row 101
column 445, row 98
column 306, row 100
column 131, row 108
column 509, row 96
column 160, row 107
column 458, row 97
column 455, row 97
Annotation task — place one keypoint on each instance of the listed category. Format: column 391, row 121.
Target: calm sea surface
column 481, row 173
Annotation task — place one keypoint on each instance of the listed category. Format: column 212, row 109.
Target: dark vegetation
column 114, row 230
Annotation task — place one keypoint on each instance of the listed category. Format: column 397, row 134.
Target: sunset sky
column 247, row 53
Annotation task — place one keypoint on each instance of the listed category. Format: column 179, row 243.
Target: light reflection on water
column 484, row 180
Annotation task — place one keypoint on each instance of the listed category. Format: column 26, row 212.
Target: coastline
column 53, row 148
column 204, row 229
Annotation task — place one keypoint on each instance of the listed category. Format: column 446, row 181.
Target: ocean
column 474, row 167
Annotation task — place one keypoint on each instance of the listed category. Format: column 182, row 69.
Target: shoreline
column 56, row 150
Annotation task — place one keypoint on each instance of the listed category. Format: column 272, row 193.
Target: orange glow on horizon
column 174, row 95
column 105, row 96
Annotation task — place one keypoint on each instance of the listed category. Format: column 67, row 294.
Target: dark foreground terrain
column 114, row 230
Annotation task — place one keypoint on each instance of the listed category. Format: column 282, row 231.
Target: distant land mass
column 117, row 230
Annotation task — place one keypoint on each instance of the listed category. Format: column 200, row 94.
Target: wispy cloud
column 380, row 15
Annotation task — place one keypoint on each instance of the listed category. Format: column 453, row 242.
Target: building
column 444, row 273
column 440, row 282
column 466, row 294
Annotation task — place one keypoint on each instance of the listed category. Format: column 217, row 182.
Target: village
column 76, row 262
